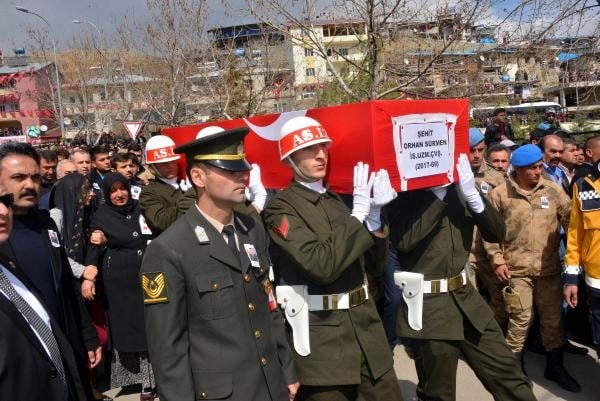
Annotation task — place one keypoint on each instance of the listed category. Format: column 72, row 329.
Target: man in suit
column 37, row 361
column 212, row 324
column 36, row 248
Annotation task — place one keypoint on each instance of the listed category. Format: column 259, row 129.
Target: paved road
column 584, row 368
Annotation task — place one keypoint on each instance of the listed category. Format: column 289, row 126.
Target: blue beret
column 526, row 156
column 475, row 137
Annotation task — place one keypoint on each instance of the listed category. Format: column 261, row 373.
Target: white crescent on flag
column 271, row 132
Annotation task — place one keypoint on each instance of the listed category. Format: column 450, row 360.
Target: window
column 344, row 51
column 329, row 52
column 308, row 95
column 310, row 72
column 280, row 107
column 308, row 52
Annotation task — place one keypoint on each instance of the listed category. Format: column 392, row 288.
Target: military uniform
column 211, row 333
column 213, row 326
column 433, row 237
column 159, row 202
column 531, row 256
column 318, row 244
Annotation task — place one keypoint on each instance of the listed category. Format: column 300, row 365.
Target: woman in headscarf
column 70, row 208
column 119, row 261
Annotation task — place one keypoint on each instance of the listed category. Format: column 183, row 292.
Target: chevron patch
column 155, row 287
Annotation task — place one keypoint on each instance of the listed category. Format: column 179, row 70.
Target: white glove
column 185, row 184
column 256, row 192
column 361, row 202
column 383, row 193
column 466, row 185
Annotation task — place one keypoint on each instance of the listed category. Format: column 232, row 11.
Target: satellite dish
column 406, row 61
column 43, row 128
column 67, row 121
column 481, row 58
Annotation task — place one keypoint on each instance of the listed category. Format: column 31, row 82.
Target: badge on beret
column 283, row 228
column 155, row 287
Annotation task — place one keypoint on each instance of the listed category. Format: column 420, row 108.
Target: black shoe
column 571, row 348
column 556, row 372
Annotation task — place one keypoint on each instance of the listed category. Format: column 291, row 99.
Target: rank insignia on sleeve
column 283, row 228
column 155, row 287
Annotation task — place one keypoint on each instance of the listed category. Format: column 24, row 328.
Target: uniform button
column 263, row 361
column 257, row 334
column 203, row 395
column 246, row 278
column 139, row 252
column 54, row 374
column 250, row 306
column 215, row 286
column 135, row 234
column 128, row 217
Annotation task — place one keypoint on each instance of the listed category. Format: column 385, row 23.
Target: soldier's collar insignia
column 283, row 228
column 155, row 287
column 201, row 235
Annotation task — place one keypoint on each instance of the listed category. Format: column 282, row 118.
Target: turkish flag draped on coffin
column 417, row 141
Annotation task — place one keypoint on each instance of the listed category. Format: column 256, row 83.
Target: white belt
column 345, row 300
column 445, row 284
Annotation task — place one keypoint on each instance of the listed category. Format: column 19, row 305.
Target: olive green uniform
column 160, row 203
column 212, row 333
column 433, row 237
column 318, row 244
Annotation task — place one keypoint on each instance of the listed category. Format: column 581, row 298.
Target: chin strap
column 297, row 170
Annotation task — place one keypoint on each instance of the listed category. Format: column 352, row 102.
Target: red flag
column 2, row 78
column 20, row 75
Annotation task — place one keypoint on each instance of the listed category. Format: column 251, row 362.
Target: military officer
column 321, row 251
column 213, row 326
column 159, row 200
column 433, row 231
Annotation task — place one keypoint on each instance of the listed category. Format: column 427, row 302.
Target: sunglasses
column 7, row 200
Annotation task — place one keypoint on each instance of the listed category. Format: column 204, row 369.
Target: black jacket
column 76, row 322
column 26, row 370
column 492, row 133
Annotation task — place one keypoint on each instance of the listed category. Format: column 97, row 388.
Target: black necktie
column 229, row 232
column 36, row 322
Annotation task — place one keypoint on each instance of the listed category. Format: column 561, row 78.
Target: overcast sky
column 106, row 14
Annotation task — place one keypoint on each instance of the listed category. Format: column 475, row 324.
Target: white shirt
column 31, row 300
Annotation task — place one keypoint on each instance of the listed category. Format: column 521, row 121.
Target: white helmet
column 300, row 132
column 159, row 149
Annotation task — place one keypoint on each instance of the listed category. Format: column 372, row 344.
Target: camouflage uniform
column 531, row 256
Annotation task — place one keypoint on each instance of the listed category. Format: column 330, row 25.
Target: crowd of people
column 203, row 284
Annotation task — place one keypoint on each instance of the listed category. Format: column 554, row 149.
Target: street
column 583, row 368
